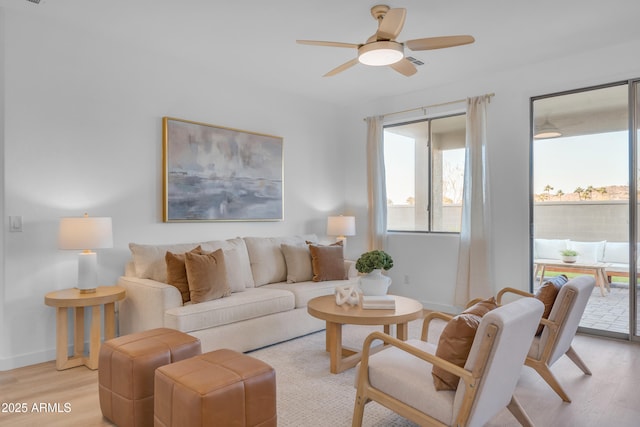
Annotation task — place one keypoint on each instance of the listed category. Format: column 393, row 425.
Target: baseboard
column 444, row 308
column 9, row 363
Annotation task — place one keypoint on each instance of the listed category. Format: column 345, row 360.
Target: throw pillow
column 177, row 273
column 207, row 276
column 547, row 294
column 456, row 340
column 327, row 262
column 298, row 260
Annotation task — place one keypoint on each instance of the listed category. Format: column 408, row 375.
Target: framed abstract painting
column 214, row 173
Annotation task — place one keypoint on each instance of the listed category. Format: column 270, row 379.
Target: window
column 424, row 168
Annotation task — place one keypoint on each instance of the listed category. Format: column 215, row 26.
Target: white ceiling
column 255, row 39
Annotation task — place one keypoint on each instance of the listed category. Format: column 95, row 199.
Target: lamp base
column 87, row 272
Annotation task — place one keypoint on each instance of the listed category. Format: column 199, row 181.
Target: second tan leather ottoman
column 220, row 388
column 126, row 369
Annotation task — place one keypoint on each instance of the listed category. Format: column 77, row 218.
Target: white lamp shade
column 85, row 233
column 341, row 226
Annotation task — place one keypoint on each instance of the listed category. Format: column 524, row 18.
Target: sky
column 598, row 160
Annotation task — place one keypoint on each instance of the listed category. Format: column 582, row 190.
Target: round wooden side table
column 73, row 298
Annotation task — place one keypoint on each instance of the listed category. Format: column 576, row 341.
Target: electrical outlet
column 406, row 279
column 15, row 223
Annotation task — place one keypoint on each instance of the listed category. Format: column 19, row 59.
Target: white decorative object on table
column 347, row 295
column 374, row 283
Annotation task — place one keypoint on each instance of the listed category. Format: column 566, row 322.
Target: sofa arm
column 145, row 304
column 350, row 269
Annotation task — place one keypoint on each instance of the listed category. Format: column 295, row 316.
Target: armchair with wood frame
column 558, row 330
column 399, row 376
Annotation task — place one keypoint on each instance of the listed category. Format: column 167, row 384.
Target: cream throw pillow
column 207, row 276
column 298, row 260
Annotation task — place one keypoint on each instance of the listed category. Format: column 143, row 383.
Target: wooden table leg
column 62, row 325
column 334, row 340
column 94, row 341
column 402, row 331
column 109, row 321
column 78, row 332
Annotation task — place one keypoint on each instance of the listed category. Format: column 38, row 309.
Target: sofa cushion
column 549, row 248
column 207, row 276
column 456, row 340
column 298, row 261
column 304, row 291
column 149, row 259
column 254, row 302
column 327, row 262
column 267, row 260
column 588, row 251
column 177, row 273
column 616, row 253
column 236, row 259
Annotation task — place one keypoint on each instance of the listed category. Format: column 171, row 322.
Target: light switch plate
column 15, row 223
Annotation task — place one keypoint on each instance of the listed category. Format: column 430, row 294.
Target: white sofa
column 614, row 254
column 268, row 304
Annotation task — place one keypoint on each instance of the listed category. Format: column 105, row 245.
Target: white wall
column 429, row 260
column 83, row 134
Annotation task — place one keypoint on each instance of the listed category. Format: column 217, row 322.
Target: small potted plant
column 371, row 265
column 569, row 255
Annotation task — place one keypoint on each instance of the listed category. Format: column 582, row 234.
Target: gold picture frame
column 213, row 173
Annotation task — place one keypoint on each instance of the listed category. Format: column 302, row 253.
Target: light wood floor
column 608, row 398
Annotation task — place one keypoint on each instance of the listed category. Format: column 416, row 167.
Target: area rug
column 309, row 395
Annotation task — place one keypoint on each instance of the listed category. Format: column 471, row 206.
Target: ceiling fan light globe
column 380, row 53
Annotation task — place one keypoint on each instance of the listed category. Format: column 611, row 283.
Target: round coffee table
column 335, row 316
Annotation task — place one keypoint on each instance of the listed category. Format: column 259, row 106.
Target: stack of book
column 381, row 302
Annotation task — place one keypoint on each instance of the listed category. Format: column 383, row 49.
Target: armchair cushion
column 547, row 294
column 456, row 340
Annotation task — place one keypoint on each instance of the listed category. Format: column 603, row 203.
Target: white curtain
column 376, row 187
column 475, row 275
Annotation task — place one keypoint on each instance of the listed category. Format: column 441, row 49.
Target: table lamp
column 341, row 226
column 86, row 233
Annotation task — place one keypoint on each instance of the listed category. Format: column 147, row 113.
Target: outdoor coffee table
column 335, row 315
column 598, row 269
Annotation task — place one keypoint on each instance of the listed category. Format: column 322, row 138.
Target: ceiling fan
column 382, row 47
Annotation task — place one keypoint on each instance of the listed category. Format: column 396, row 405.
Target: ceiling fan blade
column 404, row 67
column 330, row 44
column 342, row 67
column 438, row 42
column 391, row 25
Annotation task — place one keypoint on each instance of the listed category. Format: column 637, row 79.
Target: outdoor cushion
column 549, row 248
column 588, row 251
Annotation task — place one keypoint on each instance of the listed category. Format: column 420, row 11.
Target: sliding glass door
column 583, row 192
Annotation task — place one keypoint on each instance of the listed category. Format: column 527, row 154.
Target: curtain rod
column 442, row 104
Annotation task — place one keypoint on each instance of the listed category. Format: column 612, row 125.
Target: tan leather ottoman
column 220, row 388
column 126, row 369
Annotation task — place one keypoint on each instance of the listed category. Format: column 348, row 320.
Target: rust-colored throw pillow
column 207, row 276
column 547, row 294
column 327, row 262
column 456, row 340
column 177, row 273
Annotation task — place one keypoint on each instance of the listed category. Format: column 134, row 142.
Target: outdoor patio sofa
column 614, row 254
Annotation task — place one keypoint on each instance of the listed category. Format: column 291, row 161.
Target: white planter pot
column 374, row 283
column 569, row 259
